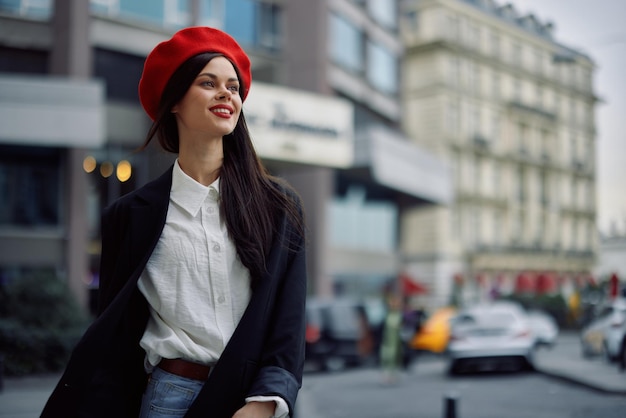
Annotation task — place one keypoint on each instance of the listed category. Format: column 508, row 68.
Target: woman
column 202, row 281
column 391, row 343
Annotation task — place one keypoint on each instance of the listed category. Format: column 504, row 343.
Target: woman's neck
column 201, row 160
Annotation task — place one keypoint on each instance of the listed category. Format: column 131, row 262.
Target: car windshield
column 486, row 318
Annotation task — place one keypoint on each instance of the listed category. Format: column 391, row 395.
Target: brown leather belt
column 185, row 368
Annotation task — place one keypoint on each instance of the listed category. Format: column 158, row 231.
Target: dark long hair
column 252, row 201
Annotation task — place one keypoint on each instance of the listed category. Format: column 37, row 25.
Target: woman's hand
column 256, row 410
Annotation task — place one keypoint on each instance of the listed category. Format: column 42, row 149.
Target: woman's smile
column 223, row 111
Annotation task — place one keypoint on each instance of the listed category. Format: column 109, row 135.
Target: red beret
column 167, row 56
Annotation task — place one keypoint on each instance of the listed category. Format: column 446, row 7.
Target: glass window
column 382, row 68
column 177, row 13
column 211, row 13
column 120, row 85
column 107, row 7
column 36, row 9
column 174, row 13
column 30, row 179
column 452, row 119
column 350, row 213
column 270, row 25
column 495, row 44
column 345, row 44
column 13, row 60
column 239, row 20
column 152, row 11
column 384, row 12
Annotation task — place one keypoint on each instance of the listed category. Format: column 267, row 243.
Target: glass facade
column 30, row 191
column 358, row 224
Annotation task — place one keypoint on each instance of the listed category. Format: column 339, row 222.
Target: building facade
column 324, row 112
column 511, row 111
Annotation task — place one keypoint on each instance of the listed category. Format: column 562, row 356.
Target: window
column 211, row 13
column 539, row 96
column 347, row 216
column 521, row 184
column 345, row 44
column 452, row 120
column 454, row 71
column 516, row 52
column 495, row 126
column 495, row 44
column 37, row 9
column 473, row 36
column 539, row 62
column 172, row 13
column 382, row 68
column 120, row 85
column 517, row 89
column 270, row 21
column 30, row 179
column 384, row 12
column 495, row 86
column 452, row 26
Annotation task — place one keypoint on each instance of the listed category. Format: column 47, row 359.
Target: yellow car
column 434, row 334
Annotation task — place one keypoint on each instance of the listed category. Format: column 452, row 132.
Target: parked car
column 434, row 334
column 544, row 327
column 621, row 357
column 338, row 334
column 491, row 337
column 603, row 336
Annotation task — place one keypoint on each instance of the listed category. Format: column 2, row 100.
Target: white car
column 604, row 334
column 491, row 337
column 544, row 327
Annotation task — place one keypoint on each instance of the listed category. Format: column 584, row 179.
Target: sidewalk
column 565, row 361
column 25, row 397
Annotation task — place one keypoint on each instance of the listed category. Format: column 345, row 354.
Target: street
column 567, row 387
column 421, row 393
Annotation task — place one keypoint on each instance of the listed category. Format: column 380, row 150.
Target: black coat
column 105, row 375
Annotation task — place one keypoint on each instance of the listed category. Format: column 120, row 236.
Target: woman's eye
column 234, row 88
column 207, row 84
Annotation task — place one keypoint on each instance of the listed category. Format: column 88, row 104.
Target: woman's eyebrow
column 213, row 76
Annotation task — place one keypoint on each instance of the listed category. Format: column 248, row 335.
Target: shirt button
column 211, row 210
column 216, row 247
column 212, row 193
column 221, row 299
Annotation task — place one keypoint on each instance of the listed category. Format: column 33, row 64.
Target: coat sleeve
column 283, row 355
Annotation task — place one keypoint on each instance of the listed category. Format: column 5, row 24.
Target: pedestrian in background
column 391, row 342
column 202, row 275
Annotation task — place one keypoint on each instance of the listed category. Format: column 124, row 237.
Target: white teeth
column 221, row 110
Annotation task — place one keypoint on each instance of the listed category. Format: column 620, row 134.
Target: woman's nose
column 224, row 93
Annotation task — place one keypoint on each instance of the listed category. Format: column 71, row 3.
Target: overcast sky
column 598, row 29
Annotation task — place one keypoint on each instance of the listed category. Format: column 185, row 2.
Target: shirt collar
column 188, row 193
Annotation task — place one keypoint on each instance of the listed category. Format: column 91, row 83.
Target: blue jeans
column 168, row 395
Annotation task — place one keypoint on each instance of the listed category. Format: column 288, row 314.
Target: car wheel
column 453, row 368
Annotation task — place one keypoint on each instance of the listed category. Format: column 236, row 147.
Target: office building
column 324, row 112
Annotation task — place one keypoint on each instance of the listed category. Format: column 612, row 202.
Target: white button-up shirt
column 194, row 282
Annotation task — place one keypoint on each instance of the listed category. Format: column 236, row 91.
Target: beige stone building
column 510, row 109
